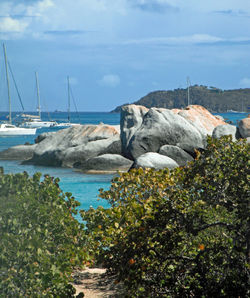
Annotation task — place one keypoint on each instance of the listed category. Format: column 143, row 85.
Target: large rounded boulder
column 105, row 163
column 19, row 152
column 177, row 154
column 201, row 118
column 131, row 119
column 226, row 130
column 68, row 146
column 91, row 149
column 154, row 160
column 244, row 127
column 164, row 127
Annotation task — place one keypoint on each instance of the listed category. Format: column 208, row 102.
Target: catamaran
column 68, row 123
column 8, row 129
column 35, row 121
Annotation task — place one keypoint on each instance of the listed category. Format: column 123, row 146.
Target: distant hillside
column 213, row 99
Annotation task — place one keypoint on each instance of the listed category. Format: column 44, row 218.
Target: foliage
column 41, row 242
column 179, row 233
column 211, row 98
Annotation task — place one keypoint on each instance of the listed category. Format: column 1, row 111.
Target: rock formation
column 176, row 153
column 244, row 127
column 105, row 163
column 131, row 119
column 22, row 152
column 201, row 118
column 76, row 144
column 225, row 130
column 163, row 127
column 154, row 160
column 153, row 137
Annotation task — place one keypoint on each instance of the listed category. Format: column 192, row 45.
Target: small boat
column 65, row 124
column 68, row 123
column 242, row 109
column 35, row 121
column 29, row 121
column 233, row 111
column 8, row 129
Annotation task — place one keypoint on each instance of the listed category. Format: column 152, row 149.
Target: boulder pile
column 155, row 138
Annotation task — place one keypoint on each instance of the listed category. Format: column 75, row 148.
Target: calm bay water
column 84, row 187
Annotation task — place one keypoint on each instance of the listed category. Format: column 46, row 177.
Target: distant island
column 212, row 98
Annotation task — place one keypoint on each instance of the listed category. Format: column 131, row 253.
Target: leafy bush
column 41, row 242
column 179, row 233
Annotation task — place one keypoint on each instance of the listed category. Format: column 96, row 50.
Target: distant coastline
column 213, row 99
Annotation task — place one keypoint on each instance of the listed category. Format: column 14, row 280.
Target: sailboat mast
column 188, row 91
column 38, row 96
column 8, row 83
column 68, row 99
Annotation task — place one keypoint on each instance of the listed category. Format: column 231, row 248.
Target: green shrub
column 179, row 233
column 40, row 241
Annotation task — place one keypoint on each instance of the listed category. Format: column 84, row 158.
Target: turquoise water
column 81, row 117
column 83, row 187
column 234, row 117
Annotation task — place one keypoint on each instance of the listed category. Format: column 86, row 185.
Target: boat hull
column 12, row 130
column 38, row 124
column 67, row 124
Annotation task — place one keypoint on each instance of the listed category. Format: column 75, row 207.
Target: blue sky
column 116, row 51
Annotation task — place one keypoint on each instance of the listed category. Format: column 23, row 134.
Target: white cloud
column 191, row 39
column 18, row 19
column 245, row 82
column 9, row 24
column 159, row 6
column 188, row 39
column 214, row 5
column 110, row 80
column 60, row 15
column 111, row 20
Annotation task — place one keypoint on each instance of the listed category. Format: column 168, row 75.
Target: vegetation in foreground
column 179, row 233
column 41, row 242
column 184, row 233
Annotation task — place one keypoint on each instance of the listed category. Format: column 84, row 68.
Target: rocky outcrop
column 244, row 127
column 225, row 130
column 20, row 152
column 176, row 153
column 201, row 118
column 154, row 160
column 77, row 143
column 105, row 163
column 153, row 137
column 89, row 150
column 163, row 127
column 43, row 136
column 131, row 120
column 219, row 117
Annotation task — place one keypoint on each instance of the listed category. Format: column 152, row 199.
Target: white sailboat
column 8, row 129
column 35, row 121
column 69, row 123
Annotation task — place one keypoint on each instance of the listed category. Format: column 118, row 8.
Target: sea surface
column 84, row 187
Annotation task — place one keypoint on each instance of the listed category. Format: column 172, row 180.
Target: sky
column 117, row 51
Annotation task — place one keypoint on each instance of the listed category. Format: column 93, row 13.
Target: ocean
column 84, row 187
